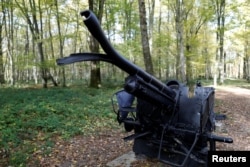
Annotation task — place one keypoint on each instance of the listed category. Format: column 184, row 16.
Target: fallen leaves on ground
column 100, row 148
column 236, row 105
column 81, row 151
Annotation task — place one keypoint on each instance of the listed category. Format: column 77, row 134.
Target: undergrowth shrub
column 29, row 117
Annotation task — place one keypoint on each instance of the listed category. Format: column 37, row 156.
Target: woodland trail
column 235, row 103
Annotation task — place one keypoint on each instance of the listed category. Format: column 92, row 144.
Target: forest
column 184, row 40
column 70, row 123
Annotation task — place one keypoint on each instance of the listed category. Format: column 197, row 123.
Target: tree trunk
column 95, row 75
column 95, row 80
column 181, row 60
column 188, row 64
column 61, row 43
column 10, row 51
column 26, row 52
column 151, row 11
column 2, row 21
column 246, row 67
column 159, row 44
column 220, row 15
column 144, row 38
column 246, row 59
column 37, row 34
column 52, row 50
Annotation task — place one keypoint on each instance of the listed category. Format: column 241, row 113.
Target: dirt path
column 235, row 103
column 103, row 147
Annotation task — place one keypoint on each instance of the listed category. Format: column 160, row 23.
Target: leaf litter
column 99, row 148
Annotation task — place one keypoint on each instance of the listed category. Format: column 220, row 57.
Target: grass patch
column 243, row 83
column 30, row 118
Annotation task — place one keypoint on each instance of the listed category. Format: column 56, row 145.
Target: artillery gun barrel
column 160, row 89
column 171, row 138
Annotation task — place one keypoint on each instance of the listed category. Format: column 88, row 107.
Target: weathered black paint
column 168, row 124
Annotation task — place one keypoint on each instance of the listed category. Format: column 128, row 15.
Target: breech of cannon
column 138, row 87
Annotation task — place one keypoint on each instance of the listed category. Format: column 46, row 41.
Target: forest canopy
column 187, row 40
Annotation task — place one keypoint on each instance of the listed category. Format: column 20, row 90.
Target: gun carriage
column 167, row 123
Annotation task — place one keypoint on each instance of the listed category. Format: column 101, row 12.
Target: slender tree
column 9, row 31
column 151, row 9
column 219, row 6
column 246, row 58
column 61, row 41
column 2, row 22
column 97, row 6
column 144, row 38
column 36, row 27
column 179, row 25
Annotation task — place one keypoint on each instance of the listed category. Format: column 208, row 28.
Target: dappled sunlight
column 235, row 90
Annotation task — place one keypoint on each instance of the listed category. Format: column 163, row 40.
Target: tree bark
column 220, row 16
column 144, row 38
column 181, row 60
column 159, row 45
column 61, row 42
column 246, row 65
column 2, row 21
column 95, row 75
column 10, row 51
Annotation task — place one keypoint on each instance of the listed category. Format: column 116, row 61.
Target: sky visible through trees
column 187, row 39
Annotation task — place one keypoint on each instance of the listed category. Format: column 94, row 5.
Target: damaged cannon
column 167, row 123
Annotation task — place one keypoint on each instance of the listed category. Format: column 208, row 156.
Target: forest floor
column 104, row 146
column 51, row 129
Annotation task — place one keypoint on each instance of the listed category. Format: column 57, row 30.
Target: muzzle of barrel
column 93, row 25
